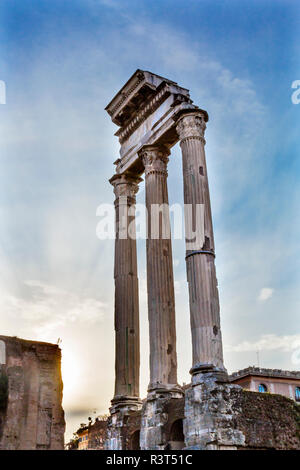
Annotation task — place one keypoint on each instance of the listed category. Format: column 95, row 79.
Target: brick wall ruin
column 31, row 414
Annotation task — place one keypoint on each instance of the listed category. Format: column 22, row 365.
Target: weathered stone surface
column 144, row 109
column 268, row 421
column 200, row 263
column 127, row 361
column 121, row 427
column 224, row 416
column 160, row 282
column 97, row 434
column 154, row 113
column 32, row 417
column 155, row 421
column 209, row 415
column 219, row 416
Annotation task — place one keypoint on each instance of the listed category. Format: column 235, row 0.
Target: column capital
column 155, row 159
column 192, row 125
column 125, row 185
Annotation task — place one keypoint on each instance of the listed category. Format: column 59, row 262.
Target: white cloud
column 295, row 357
column 265, row 293
column 269, row 342
column 47, row 308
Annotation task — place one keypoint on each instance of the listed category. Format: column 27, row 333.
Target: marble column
column 127, row 341
column 160, row 284
column 163, row 386
column 200, row 262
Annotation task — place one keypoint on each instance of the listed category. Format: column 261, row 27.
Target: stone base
column 209, row 422
column 215, row 415
column 123, row 414
column 155, row 417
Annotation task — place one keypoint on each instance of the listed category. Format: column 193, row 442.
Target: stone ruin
column 153, row 114
column 31, row 413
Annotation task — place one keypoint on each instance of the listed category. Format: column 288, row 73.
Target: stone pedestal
column 210, row 409
column 155, row 417
column 118, row 424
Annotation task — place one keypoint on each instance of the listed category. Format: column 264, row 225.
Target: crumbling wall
column 268, row 421
column 255, row 420
column 120, row 428
column 33, row 417
column 97, row 435
column 221, row 415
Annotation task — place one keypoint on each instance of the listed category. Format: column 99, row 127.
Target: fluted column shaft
column 127, row 341
column 200, row 263
column 160, row 283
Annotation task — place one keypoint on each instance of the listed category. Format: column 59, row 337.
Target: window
column 297, row 393
column 262, row 388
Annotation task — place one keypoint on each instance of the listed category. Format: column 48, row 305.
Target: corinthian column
column 160, row 284
column 127, row 347
column 201, row 273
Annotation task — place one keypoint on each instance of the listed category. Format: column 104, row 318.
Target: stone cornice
column 143, row 113
column 124, row 94
column 141, row 86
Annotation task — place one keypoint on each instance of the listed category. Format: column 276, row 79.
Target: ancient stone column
column 163, row 386
column 201, row 273
column 127, row 359
column 160, row 284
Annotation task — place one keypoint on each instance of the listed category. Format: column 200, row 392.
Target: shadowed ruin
column 31, row 414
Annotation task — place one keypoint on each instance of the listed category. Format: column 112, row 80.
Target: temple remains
column 31, row 413
column 153, row 114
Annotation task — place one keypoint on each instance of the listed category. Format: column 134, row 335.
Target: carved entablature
column 145, row 110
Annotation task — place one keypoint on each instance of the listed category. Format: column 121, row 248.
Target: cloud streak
column 268, row 342
column 48, row 308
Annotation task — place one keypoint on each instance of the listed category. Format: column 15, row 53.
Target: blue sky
column 62, row 62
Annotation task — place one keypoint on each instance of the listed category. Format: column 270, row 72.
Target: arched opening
column 135, row 441
column 262, row 388
column 176, row 441
column 2, row 353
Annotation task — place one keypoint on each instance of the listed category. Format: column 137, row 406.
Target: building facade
column 83, row 438
column 93, row 436
column 282, row 382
